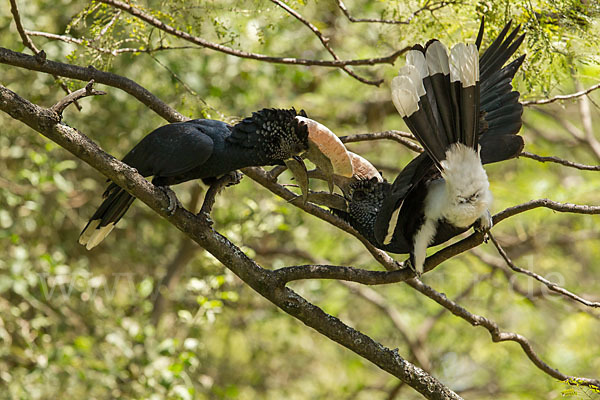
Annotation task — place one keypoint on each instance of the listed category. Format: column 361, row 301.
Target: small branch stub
column 88, row 90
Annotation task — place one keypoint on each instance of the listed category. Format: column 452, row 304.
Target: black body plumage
column 486, row 116
column 201, row 149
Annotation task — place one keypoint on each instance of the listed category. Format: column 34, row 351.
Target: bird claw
column 235, row 177
column 408, row 264
column 173, row 200
column 484, row 224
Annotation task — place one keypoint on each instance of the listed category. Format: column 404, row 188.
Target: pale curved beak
column 325, row 142
column 363, row 169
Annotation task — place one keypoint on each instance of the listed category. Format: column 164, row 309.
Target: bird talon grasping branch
column 464, row 113
column 208, row 149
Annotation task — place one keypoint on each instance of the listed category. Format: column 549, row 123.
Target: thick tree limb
column 87, row 74
column 29, row 43
column 198, row 229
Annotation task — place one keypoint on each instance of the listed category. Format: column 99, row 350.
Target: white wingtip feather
column 404, row 96
column 437, row 58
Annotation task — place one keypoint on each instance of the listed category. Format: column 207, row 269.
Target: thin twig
column 550, row 285
column 325, row 42
column 115, row 52
column 29, row 44
column 561, row 97
column 397, row 136
column 495, row 332
column 243, row 54
column 557, row 160
column 88, row 90
column 427, row 7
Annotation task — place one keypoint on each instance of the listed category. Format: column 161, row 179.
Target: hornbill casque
column 463, row 111
column 208, row 149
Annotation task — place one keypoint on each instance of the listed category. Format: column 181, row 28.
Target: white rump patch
column 467, row 193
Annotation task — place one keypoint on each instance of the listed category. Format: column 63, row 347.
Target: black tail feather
column 116, row 202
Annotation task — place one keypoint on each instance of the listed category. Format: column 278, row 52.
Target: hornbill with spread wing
column 208, row 149
column 464, row 112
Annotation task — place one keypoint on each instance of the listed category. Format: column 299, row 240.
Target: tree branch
column 553, row 205
column 86, row 74
column 427, row 7
column 397, row 136
column 495, row 332
column 325, row 42
column 29, row 43
column 550, row 285
column 243, row 54
column 88, row 90
column 561, row 97
column 198, row 229
column 557, row 160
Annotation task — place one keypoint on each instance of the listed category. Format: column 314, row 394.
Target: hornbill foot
column 484, row 224
column 409, row 264
column 232, row 178
column 229, row 179
column 173, row 200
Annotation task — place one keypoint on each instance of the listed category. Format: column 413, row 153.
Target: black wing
column 175, row 148
column 500, row 121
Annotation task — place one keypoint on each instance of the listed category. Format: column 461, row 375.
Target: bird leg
column 484, row 224
column 229, row 179
column 173, row 200
column 408, row 263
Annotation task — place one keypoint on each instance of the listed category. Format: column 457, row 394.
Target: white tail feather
column 415, row 76
column 85, row 236
column 416, row 58
column 464, row 64
column 437, row 58
column 97, row 235
column 404, row 95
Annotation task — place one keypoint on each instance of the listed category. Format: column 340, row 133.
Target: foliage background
column 81, row 324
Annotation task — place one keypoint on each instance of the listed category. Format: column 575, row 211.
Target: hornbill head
column 285, row 135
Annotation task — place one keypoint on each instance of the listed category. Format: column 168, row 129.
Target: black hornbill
column 207, row 149
column 464, row 112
